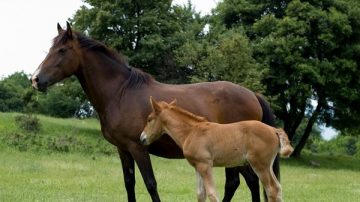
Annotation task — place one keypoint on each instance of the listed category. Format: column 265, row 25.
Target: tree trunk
column 307, row 132
column 294, row 116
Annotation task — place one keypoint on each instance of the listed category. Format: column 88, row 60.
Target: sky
column 28, row 27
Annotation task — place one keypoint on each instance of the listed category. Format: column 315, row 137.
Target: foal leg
column 127, row 163
column 272, row 186
column 205, row 171
column 200, row 188
column 232, row 183
column 142, row 159
column 269, row 181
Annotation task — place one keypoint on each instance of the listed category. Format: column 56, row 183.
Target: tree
column 223, row 55
column 311, row 49
column 148, row 32
column 11, row 91
column 65, row 99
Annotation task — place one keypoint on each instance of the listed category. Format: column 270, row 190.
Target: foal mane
column 136, row 77
column 188, row 114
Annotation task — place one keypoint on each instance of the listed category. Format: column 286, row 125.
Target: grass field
column 77, row 175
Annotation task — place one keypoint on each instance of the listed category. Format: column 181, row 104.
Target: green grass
column 55, row 135
column 46, row 175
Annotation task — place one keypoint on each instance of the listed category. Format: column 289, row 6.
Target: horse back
column 232, row 144
column 221, row 102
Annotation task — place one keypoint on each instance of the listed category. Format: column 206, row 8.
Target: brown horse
column 207, row 144
column 120, row 96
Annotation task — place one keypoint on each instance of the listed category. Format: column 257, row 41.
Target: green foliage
column 311, row 56
column 147, row 32
column 11, row 91
column 56, row 135
column 311, row 50
column 342, row 144
column 228, row 57
column 28, row 122
column 65, row 99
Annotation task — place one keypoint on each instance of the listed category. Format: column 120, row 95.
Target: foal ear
column 68, row 30
column 59, row 28
column 173, row 103
column 155, row 106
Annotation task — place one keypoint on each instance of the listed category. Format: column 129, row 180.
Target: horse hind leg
column 252, row 182
column 271, row 185
column 232, row 183
column 267, row 177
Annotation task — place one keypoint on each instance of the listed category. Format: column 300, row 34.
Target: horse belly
column 230, row 157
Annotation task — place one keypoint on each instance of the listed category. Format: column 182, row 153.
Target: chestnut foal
column 207, row 144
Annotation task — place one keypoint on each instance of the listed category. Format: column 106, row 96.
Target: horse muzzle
column 37, row 84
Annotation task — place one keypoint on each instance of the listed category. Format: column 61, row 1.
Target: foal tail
column 285, row 147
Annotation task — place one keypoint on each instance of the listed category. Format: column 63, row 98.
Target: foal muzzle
column 143, row 139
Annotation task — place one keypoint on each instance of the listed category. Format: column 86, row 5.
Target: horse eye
column 149, row 120
column 62, row 50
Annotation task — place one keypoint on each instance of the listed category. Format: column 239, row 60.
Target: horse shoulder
column 195, row 147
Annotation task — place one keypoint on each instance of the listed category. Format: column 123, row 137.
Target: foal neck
column 179, row 124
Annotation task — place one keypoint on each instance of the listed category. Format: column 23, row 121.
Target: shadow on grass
column 324, row 161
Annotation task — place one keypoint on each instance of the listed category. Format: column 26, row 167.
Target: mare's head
column 154, row 127
column 62, row 61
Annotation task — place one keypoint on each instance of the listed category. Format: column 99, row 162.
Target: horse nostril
column 36, row 79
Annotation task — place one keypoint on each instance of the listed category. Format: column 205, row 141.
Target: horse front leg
column 232, row 183
column 205, row 171
column 200, row 188
column 127, row 163
column 142, row 159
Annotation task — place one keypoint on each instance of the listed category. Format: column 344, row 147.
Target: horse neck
column 178, row 127
column 101, row 77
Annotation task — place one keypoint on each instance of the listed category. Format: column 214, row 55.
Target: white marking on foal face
column 143, row 139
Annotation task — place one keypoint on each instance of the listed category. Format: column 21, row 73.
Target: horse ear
column 68, row 30
column 59, row 28
column 173, row 103
column 155, row 106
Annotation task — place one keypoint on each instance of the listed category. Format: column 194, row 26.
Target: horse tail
column 269, row 119
column 285, row 147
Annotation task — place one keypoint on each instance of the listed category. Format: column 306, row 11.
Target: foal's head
column 154, row 127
